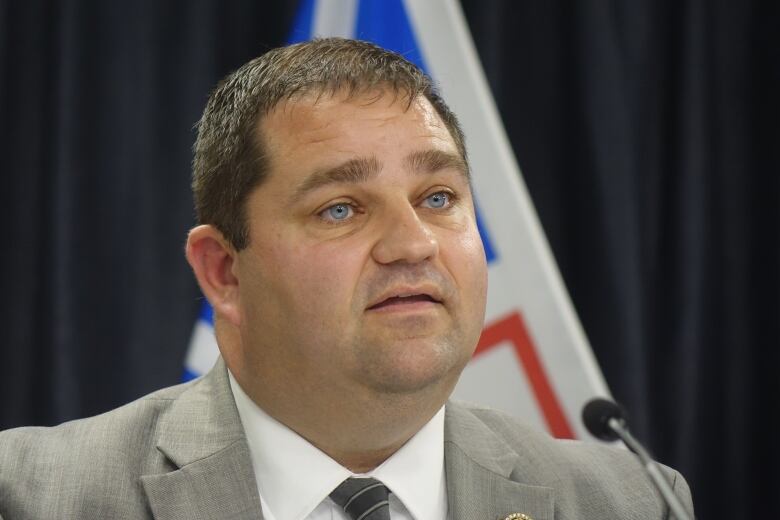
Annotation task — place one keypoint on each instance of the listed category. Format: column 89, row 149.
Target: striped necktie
column 363, row 499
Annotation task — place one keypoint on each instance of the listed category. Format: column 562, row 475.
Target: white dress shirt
column 294, row 478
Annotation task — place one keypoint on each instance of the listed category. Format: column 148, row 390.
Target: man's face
column 364, row 271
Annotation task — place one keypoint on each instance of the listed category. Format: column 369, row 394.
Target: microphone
column 606, row 421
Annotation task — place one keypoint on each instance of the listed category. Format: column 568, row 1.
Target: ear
column 211, row 257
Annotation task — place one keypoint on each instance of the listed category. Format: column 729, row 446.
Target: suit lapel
column 202, row 437
column 486, row 478
column 220, row 486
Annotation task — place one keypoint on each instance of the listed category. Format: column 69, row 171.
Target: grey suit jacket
column 181, row 453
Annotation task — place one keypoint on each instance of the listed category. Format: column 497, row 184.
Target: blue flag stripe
column 386, row 24
column 206, row 313
column 188, row 375
column 301, row 29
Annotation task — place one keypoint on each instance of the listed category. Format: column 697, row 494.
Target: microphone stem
column 658, row 478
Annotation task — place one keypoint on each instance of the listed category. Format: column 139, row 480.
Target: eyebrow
column 362, row 169
column 431, row 161
column 353, row 171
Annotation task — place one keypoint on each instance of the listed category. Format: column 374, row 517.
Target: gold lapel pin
column 517, row 516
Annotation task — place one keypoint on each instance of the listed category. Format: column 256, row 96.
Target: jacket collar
column 487, row 478
column 202, row 437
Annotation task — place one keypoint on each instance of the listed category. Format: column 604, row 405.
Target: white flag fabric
column 533, row 359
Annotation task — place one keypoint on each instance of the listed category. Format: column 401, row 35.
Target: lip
column 407, row 298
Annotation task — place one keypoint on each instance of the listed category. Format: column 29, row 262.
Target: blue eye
column 338, row 212
column 438, row 200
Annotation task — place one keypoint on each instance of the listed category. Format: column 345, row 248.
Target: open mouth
column 404, row 300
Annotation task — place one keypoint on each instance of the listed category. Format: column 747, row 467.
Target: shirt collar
column 294, row 477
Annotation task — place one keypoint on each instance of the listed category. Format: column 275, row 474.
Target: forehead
column 309, row 127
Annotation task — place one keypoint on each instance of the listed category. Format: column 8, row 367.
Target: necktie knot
column 363, row 499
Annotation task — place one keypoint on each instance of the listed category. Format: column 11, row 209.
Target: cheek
column 324, row 275
column 467, row 259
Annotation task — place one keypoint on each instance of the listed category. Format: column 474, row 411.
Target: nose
column 404, row 238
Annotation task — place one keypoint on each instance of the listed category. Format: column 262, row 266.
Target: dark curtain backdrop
column 647, row 132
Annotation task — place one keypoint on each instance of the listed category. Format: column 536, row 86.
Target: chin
column 415, row 367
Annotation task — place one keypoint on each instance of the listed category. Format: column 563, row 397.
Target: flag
column 533, row 359
column 203, row 351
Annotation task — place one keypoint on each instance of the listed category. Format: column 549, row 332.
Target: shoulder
column 578, row 471
column 105, row 435
column 95, row 457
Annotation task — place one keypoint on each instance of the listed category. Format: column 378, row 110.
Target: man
column 338, row 246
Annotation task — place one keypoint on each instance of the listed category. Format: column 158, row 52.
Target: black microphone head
column 596, row 415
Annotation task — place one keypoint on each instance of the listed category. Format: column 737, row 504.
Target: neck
column 359, row 433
